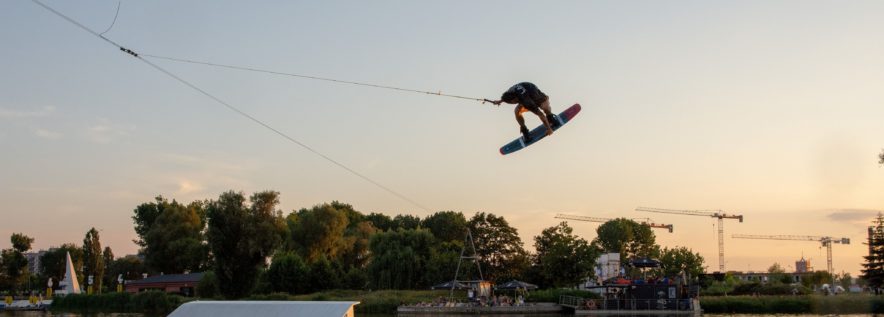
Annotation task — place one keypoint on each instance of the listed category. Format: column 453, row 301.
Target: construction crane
column 706, row 213
column 825, row 241
column 596, row 219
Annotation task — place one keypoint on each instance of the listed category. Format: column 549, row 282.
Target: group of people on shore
column 483, row 301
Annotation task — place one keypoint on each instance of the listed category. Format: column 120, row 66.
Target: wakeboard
column 540, row 132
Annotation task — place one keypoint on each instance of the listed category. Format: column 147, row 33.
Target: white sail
column 69, row 284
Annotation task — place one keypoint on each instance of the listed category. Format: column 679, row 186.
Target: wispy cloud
column 188, row 187
column 46, row 134
column 106, row 131
column 191, row 161
column 197, row 177
column 856, row 216
column 18, row 114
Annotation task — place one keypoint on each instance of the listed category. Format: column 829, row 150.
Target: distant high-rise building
column 34, row 261
column 803, row 266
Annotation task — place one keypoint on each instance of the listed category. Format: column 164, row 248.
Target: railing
column 570, row 301
column 626, row 304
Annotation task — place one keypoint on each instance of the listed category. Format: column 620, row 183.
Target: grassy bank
column 806, row 304
column 152, row 303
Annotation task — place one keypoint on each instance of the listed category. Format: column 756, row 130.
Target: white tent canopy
column 264, row 309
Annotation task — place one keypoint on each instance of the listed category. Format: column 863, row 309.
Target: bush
column 804, row 304
column 148, row 302
column 750, row 288
column 208, row 286
column 156, row 302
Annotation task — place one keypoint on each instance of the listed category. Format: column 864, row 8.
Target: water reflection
column 51, row 314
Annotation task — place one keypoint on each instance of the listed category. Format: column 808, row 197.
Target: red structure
column 182, row 284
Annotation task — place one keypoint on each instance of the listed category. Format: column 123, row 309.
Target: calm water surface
column 49, row 314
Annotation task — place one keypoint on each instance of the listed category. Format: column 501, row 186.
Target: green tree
column 443, row 263
column 288, row 273
column 446, row 226
column 873, row 268
column 172, row 236
column 380, row 221
column 681, row 259
column 356, row 253
column 563, row 259
column 21, row 242
column 627, row 237
column 335, row 231
column 145, row 216
column 815, row 279
column 109, row 279
column 355, row 279
column 241, row 238
column 777, row 274
column 14, row 262
column 52, row 263
column 208, row 285
column 845, row 280
column 324, row 275
column 400, row 258
column 318, row 231
column 130, row 267
column 93, row 259
column 881, row 157
column 499, row 247
column 406, row 222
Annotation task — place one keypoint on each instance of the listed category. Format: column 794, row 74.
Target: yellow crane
column 597, row 219
column 825, row 241
column 706, row 213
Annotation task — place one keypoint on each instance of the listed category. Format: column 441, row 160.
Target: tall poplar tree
column 93, row 259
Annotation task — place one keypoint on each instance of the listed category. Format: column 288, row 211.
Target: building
column 34, row 261
column 607, row 266
column 182, row 284
column 803, row 266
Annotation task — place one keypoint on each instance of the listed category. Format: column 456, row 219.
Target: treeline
column 334, row 246
column 246, row 246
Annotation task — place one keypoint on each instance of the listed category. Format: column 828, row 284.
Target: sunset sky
column 767, row 109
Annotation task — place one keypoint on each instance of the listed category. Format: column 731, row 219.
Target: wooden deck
column 533, row 308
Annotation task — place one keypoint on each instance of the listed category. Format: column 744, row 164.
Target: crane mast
column 597, row 219
column 705, row 213
column 825, row 241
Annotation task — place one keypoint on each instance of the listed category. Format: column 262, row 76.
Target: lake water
column 49, row 314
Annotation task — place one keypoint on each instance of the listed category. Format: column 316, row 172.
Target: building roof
column 263, row 308
column 169, row 278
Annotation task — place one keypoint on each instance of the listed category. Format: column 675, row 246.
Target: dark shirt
column 528, row 95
